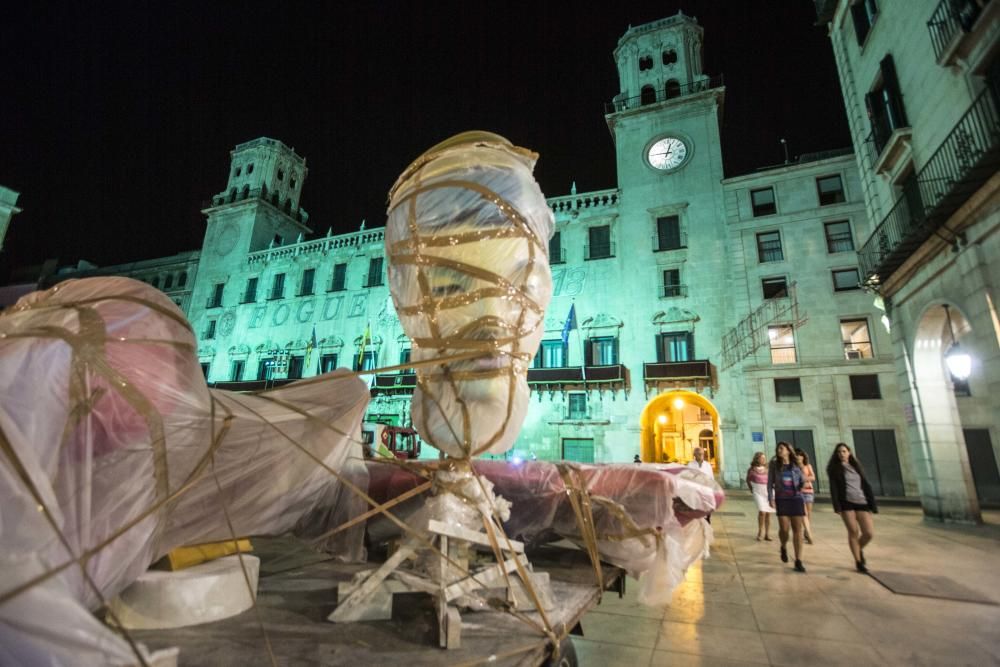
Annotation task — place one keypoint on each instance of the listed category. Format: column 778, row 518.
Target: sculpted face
column 469, row 274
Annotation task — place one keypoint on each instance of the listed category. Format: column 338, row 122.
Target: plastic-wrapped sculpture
column 113, row 451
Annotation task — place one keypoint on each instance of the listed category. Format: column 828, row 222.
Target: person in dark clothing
column 853, row 500
column 784, row 493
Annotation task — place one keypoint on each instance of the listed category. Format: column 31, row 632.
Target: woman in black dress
column 784, row 492
column 853, row 500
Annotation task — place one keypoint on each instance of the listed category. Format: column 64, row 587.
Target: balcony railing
column 353, row 240
column 557, row 255
column 574, row 203
column 261, row 194
column 663, row 242
column 670, row 291
column 662, row 95
column 677, row 370
column 395, row 383
column 577, row 375
column 599, row 250
column 950, row 18
column 966, row 159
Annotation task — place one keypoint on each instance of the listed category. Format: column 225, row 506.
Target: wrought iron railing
column 966, row 159
column 950, row 17
column 599, row 250
column 677, row 370
column 652, row 96
column 577, row 374
column 670, row 290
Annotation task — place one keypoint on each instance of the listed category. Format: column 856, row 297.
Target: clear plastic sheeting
column 113, row 451
column 647, row 519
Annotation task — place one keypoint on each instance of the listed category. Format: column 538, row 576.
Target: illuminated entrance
column 674, row 423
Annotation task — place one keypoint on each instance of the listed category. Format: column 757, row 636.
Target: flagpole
column 583, row 356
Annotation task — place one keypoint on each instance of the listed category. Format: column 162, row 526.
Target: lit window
column 830, row 189
column 774, row 288
column 787, row 390
column 769, row 247
column 763, row 202
column 838, row 236
column 782, row 339
column 846, row 279
column 857, row 341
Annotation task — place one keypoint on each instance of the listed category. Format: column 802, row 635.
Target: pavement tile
column 712, row 641
column 620, row 629
column 672, row 659
column 598, row 654
column 793, row 650
column 713, row 614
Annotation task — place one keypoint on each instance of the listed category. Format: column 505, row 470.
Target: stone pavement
column 744, row 606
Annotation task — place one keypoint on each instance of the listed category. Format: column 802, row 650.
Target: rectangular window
column 857, row 340
column 769, row 247
column 668, row 233
column 556, row 253
column 672, row 283
column 762, row 202
column 236, row 370
column 863, row 12
column 404, row 355
column 204, row 369
column 306, row 287
column 602, row 351
column 551, row 354
column 374, row 272
column 278, row 286
column 774, row 288
column 838, row 236
column 787, row 390
column 675, row 346
column 339, row 278
column 885, row 105
column 365, row 361
column 830, row 189
column 599, row 245
column 295, row 366
column 782, row 339
column 845, row 280
column 250, row 293
column 265, row 368
column 577, row 406
column 216, row 299
column 327, row 363
column 210, row 330
column 865, row 387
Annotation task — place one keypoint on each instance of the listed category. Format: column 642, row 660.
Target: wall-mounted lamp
column 959, row 362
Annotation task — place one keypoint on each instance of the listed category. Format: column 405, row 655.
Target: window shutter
column 690, row 345
column 659, row 349
column 891, row 84
column 588, row 353
column 614, row 359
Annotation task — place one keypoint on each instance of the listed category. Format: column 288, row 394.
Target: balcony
column 674, row 374
column 395, row 383
column 578, row 377
column 662, row 95
column 949, row 25
column 966, row 159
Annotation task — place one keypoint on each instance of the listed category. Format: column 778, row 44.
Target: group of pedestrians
column 785, row 486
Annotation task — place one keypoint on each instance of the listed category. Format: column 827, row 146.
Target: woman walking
column 808, row 492
column 784, row 491
column 757, row 481
column 853, row 500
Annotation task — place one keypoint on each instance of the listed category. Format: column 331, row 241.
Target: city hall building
column 714, row 312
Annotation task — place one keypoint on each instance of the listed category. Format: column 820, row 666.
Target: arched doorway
column 947, row 486
column 675, row 422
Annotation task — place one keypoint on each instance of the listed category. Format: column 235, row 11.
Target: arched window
column 239, row 170
column 246, row 192
column 292, row 182
column 669, row 57
column 250, row 168
column 648, row 95
column 288, row 205
column 281, row 174
column 168, row 282
column 182, row 279
column 645, row 63
column 232, row 195
column 672, row 89
column 274, row 198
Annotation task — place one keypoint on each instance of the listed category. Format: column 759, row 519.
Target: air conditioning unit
column 854, row 354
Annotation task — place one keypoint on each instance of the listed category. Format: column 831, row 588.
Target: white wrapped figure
column 467, row 243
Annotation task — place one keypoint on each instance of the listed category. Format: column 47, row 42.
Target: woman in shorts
column 784, row 492
column 808, row 492
column 853, row 500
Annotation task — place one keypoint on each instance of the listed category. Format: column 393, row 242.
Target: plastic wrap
column 647, row 518
column 115, row 451
column 467, row 247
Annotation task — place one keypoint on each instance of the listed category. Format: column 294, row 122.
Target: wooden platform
column 297, row 592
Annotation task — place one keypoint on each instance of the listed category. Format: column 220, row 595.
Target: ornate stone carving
column 673, row 315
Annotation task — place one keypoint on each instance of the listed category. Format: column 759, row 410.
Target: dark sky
column 117, row 118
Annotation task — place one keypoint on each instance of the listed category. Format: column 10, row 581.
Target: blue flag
column 569, row 325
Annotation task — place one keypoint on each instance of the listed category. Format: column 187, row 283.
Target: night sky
column 118, row 118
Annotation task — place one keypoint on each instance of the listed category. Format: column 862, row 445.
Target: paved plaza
column 745, row 607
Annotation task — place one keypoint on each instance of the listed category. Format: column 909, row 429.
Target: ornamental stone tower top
column 659, row 59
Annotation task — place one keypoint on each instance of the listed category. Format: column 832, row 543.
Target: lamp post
column 958, row 361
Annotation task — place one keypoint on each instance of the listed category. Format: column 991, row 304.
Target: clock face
column 667, row 153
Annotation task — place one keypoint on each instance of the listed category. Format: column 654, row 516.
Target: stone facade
column 8, row 199
column 921, row 83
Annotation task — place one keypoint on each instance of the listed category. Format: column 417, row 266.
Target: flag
column 366, row 338
column 310, row 347
column 570, row 324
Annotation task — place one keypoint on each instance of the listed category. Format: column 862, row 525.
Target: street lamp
column 959, row 362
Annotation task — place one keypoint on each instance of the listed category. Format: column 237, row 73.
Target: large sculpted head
column 467, row 247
